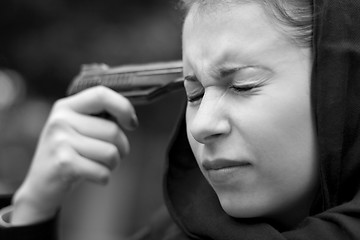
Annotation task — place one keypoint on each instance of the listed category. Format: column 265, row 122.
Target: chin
column 242, row 212
column 250, row 208
column 242, row 208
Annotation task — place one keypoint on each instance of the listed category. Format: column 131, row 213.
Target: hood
column 336, row 103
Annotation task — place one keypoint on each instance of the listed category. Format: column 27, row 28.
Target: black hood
column 336, row 103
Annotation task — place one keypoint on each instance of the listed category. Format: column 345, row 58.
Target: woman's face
column 249, row 117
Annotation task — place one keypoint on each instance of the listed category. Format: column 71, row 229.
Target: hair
column 294, row 15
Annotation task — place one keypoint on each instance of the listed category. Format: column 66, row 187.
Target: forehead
column 216, row 34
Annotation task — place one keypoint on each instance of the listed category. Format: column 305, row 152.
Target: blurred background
column 42, row 46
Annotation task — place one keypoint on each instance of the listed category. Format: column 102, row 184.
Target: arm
column 74, row 146
column 41, row 230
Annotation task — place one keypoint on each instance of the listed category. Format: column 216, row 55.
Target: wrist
column 29, row 209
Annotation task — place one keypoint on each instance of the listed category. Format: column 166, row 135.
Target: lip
column 219, row 164
column 224, row 172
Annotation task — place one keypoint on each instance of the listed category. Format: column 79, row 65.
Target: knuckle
column 59, row 104
column 58, row 121
column 112, row 155
column 103, row 176
column 114, row 132
column 58, row 137
column 111, row 151
column 101, row 88
column 64, row 162
column 100, row 92
column 63, row 156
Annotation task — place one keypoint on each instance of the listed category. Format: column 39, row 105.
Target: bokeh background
column 42, row 46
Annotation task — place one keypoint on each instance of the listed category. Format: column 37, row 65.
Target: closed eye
column 243, row 88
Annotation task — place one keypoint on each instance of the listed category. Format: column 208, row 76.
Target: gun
column 141, row 83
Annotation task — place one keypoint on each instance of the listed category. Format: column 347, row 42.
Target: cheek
column 190, row 113
column 198, row 149
column 281, row 137
column 279, row 129
column 195, row 145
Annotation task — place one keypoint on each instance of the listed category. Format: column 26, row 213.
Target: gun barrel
column 137, row 81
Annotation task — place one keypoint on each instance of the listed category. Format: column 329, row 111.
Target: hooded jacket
column 193, row 209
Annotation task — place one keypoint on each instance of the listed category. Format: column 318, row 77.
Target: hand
column 74, row 145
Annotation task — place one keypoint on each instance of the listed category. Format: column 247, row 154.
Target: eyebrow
column 224, row 72
column 221, row 72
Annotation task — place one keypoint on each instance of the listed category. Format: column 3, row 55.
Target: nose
column 210, row 121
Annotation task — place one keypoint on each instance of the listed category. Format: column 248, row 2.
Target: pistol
column 140, row 83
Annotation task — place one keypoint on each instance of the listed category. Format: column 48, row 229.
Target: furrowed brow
column 226, row 72
column 220, row 73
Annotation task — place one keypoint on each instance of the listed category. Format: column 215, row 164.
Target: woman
column 268, row 148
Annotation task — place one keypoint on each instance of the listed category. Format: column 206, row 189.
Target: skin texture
column 249, row 103
column 74, row 146
column 256, row 115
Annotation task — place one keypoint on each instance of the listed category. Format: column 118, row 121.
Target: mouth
column 224, row 172
column 219, row 164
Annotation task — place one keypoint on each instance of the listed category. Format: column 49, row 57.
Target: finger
column 101, row 99
column 91, row 171
column 96, row 150
column 98, row 128
column 71, row 167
